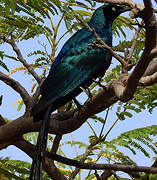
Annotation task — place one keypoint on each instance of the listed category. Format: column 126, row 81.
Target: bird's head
column 112, row 11
column 106, row 14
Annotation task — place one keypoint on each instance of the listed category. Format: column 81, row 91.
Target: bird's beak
column 125, row 10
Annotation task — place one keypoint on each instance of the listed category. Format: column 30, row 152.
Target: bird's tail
column 36, row 168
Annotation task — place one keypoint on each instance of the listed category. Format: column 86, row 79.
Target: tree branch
column 154, row 52
column 20, row 57
column 65, row 122
column 129, row 3
column 102, row 43
column 134, row 43
column 150, row 43
column 17, row 87
column 49, row 166
column 93, row 166
column 29, row 149
column 56, row 143
column 84, row 157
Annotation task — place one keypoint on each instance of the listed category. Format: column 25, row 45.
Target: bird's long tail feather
column 36, row 168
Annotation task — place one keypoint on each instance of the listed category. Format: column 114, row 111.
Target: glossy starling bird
column 76, row 65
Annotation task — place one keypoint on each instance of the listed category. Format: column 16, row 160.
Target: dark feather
column 76, row 65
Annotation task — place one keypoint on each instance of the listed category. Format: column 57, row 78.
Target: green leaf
column 3, row 65
column 20, row 106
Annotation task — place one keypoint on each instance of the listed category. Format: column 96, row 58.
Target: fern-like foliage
column 120, row 23
column 146, row 97
column 135, row 139
column 16, row 170
column 26, row 19
column 43, row 57
column 2, row 64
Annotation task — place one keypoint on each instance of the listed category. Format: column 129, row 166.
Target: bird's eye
column 113, row 9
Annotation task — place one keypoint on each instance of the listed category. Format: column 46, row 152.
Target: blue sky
column 10, row 97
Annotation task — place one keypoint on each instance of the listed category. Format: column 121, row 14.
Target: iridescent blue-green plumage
column 76, row 65
column 78, row 62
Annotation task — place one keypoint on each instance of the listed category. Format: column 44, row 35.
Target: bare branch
column 150, row 43
column 148, row 80
column 56, row 143
column 93, row 166
column 17, row 87
column 49, row 166
column 134, row 43
column 129, row 3
column 84, row 157
column 106, row 174
column 20, row 57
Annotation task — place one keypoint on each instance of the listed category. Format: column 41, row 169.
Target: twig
column 102, row 43
column 20, row 57
column 37, row 93
column 56, row 143
column 1, row 97
column 134, row 43
column 150, row 43
column 84, row 156
column 17, row 87
column 115, row 175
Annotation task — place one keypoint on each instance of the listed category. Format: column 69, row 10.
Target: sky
column 10, row 97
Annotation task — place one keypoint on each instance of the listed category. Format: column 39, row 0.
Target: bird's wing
column 67, row 76
column 76, row 63
column 69, row 60
column 72, row 45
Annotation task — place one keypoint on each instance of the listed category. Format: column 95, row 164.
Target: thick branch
column 29, row 149
column 129, row 3
column 17, row 87
column 154, row 51
column 150, row 43
column 48, row 165
column 148, row 80
column 2, row 121
column 20, row 57
column 93, row 166
column 65, row 122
